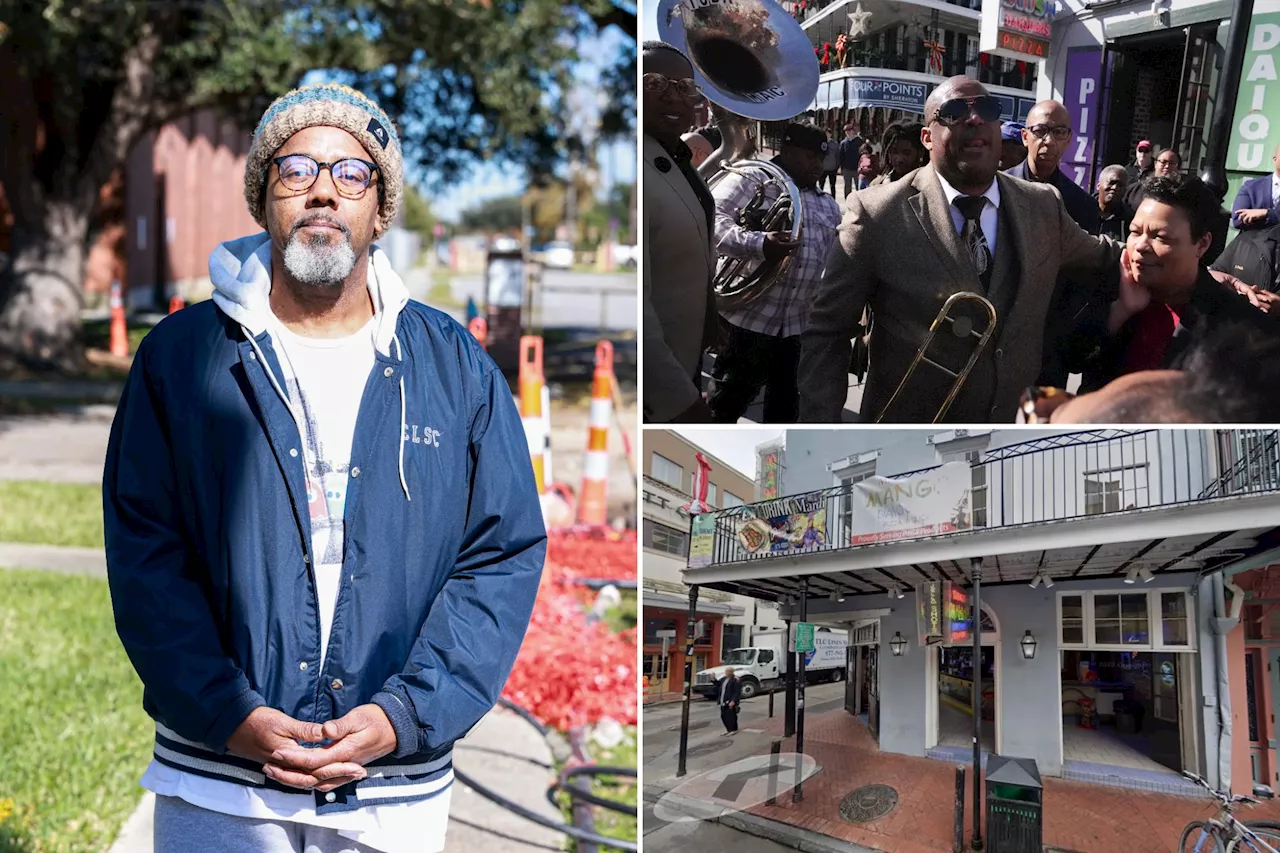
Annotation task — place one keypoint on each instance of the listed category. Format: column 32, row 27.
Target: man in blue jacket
column 1257, row 205
column 323, row 535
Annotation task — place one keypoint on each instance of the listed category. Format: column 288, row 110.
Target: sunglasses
column 351, row 176
column 957, row 110
column 658, row 83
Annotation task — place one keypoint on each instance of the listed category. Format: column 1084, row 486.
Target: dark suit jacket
column 1255, row 193
column 732, row 690
column 678, row 264
column 899, row 252
column 1212, row 304
column 850, row 154
column 1081, row 206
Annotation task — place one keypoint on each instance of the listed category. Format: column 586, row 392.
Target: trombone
column 960, row 326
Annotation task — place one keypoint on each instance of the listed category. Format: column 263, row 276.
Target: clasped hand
column 274, row 738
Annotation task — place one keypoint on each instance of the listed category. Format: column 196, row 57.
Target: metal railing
column 1056, row 478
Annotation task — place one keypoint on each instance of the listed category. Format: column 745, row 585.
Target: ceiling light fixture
column 1131, row 576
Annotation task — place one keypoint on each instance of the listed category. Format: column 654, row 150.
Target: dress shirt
column 990, row 212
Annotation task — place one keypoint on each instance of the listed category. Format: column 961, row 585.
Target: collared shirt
column 990, row 212
column 1275, row 190
column 783, row 309
column 1113, row 223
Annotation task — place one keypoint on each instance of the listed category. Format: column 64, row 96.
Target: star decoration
column 859, row 21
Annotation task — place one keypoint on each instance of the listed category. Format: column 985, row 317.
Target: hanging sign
column 1016, row 29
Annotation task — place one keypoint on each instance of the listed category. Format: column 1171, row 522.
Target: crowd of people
column 1133, row 287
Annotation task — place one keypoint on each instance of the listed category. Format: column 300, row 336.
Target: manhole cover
column 707, row 748
column 699, row 725
column 868, row 803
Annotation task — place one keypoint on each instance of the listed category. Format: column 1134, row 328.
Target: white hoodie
column 241, row 274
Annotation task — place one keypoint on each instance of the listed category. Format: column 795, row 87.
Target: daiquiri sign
column 1017, row 29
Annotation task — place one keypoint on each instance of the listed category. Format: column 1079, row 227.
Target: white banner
column 927, row 504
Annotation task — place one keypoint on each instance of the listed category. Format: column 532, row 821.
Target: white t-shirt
column 325, row 378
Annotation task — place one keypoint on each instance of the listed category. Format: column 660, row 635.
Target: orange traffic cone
column 119, row 328
column 176, row 304
column 592, row 506
column 531, row 404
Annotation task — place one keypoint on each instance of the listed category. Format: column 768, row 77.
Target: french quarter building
column 1118, row 642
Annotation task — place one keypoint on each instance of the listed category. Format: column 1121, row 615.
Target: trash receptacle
column 1015, row 805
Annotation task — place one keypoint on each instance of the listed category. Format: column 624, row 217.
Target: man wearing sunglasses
column 680, row 318
column 323, row 536
column 954, row 225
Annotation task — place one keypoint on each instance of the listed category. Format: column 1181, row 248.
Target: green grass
column 621, row 790
column 75, row 738
column 51, row 513
column 623, row 617
column 97, row 335
column 441, row 293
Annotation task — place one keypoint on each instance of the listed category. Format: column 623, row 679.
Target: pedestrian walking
column 323, row 536
column 730, row 696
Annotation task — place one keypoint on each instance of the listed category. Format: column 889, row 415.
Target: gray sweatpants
column 181, row 827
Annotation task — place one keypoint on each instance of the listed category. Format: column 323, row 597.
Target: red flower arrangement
column 568, row 672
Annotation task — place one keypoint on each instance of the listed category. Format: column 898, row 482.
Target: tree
column 494, row 216
column 84, row 79
column 417, row 214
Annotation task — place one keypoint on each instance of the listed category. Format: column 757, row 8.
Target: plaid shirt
column 784, row 308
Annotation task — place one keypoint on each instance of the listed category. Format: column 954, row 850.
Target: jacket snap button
column 355, row 472
column 336, row 684
column 388, row 372
column 330, row 797
column 302, row 666
column 253, row 356
column 293, row 451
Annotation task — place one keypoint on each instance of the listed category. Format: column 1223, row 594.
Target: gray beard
column 318, row 263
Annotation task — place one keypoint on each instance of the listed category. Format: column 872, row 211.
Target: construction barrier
column 592, row 505
column 546, row 432
column 531, row 397
column 119, row 328
column 176, row 304
column 479, row 329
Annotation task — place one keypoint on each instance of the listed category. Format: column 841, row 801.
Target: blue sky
column 495, row 180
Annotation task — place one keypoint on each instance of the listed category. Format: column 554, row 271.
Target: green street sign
column 804, row 636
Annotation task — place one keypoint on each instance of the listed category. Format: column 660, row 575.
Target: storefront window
column 1173, row 618
column 653, row 626
column 730, row 638
column 1120, row 620
column 666, row 539
column 704, row 633
column 1073, row 620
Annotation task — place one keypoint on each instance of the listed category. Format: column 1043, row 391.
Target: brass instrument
column 961, row 327
column 752, row 61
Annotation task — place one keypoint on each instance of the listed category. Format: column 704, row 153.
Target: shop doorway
column 862, row 681
column 949, row 703
column 657, row 666
column 1128, row 709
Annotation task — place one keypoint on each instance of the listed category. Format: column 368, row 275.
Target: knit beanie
column 328, row 105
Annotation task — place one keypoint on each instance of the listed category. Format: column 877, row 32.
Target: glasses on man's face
column 351, row 176
column 957, row 110
column 1060, row 132
column 1167, row 162
column 656, row 84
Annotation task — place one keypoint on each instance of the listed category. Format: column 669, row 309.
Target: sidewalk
column 503, row 753
column 1077, row 816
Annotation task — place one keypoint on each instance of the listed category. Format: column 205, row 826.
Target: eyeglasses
column 1060, row 132
column 957, row 110
column 659, row 83
column 351, row 176
column 1168, row 161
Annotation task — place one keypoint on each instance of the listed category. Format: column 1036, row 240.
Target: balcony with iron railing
column 1058, row 478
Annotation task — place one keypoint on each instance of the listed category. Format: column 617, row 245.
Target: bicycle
column 1226, row 834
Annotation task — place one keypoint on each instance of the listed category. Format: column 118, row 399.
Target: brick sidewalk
column 1078, row 816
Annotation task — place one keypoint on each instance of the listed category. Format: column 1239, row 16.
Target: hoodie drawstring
column 404, row 484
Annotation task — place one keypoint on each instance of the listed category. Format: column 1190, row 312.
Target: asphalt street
column 663, row 837
column 707, row 749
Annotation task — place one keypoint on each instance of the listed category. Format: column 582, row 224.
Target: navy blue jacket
column 1081, row 206
column 1255, row 194
column 209, row 548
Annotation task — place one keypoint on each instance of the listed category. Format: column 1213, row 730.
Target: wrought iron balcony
column 1057, row 478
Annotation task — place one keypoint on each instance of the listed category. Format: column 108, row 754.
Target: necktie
column 974, row 240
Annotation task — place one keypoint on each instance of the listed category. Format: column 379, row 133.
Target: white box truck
column 762, row 667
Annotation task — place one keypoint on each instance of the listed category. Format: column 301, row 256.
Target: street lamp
column 1028, row 644
column 898, row 644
